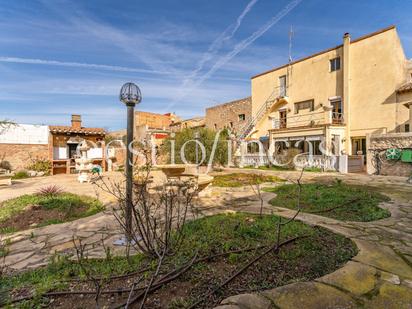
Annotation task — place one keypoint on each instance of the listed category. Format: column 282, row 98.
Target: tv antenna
column 291, row 34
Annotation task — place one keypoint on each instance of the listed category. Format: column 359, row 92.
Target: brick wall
column 18, row 155
column 153, row 120
column 227, row 115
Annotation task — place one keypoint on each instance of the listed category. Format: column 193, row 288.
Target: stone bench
column 5, row 179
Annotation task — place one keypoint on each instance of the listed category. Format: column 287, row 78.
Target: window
column 215, row 125
column 335, row 64
column 282, row 86
column 304, row 105
column 231, row 124
column 242, row 117
column 407, row 128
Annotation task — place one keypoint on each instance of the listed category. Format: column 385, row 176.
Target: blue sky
column 63, row 57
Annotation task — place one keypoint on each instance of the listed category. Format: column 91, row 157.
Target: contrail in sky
column 78, row 65
column 246, row 42
column 219, row 41
column 240, row 47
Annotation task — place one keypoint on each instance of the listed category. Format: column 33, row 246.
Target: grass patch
column 19, row 213
column 322, row 199
column 20, row 175
column 270, row 168
column 320, row 253
column 243, row 179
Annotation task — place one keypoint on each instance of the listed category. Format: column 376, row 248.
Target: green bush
column 21, row 175
column 40, row 165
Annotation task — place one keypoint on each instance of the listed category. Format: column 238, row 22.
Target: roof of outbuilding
column 68, row 129
column 405, row 88
column 243, row 100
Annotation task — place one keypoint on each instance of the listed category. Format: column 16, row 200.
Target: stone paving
column 379, row 276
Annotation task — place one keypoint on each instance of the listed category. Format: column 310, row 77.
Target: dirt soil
column 271, row 271
column 35, row 215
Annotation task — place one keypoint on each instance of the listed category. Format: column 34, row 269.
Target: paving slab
column 248, row 301
column 310, row 295
column 391, row 296
column 356, row 278
column 382, row 257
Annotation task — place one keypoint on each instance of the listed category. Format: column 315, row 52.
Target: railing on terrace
column 337, row 118
column 310, row 119
column 326, row 163
column 299, row 120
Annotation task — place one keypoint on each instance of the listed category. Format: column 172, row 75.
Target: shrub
column 50, row 191
column 5, row 165
column 40, row 165
column 21, row 175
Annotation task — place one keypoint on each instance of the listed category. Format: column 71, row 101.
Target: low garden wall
column 377, row 146
column 19, row 156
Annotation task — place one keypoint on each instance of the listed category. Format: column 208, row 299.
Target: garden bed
column 335, row 200
column 35, row 210
column 243, row 179
column 314, row 253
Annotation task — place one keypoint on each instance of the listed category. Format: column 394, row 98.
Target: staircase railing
column 248, row 127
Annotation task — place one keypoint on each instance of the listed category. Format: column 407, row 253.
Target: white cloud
column 78, row 65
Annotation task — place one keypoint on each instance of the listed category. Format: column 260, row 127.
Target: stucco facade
column 340, row 94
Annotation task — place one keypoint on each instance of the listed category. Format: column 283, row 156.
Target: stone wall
column 378, row 144
column 227, row 115
column 20, row 155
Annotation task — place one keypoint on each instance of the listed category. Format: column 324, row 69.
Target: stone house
column 154, row 126
column 233, row 115
column 63, row 142
column 21, row 144
column 337, row 96
column 192, row 123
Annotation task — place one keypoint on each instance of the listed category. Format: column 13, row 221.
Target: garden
column 334, row 199
column 178, row 257
column 50, row 205
column 206, row 268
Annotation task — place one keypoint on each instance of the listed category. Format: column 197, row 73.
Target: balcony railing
column 307, row 120
column 337, row 118
column 326, row 163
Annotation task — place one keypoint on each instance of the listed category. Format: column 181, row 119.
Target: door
column 72, row 150
column 337, row 112
column 359, row 147
column 282, row 119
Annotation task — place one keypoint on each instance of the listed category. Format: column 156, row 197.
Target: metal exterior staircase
column 277, row 93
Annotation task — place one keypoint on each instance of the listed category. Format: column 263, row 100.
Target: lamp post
column 130, row 95
column 197, row 137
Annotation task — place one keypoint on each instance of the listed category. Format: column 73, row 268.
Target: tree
column 5, row 125
column 206, row 137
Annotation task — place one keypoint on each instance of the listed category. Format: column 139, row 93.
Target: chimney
column 76, row 121
column 346, row 90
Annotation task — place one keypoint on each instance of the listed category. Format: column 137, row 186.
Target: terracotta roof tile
column 68, row 129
